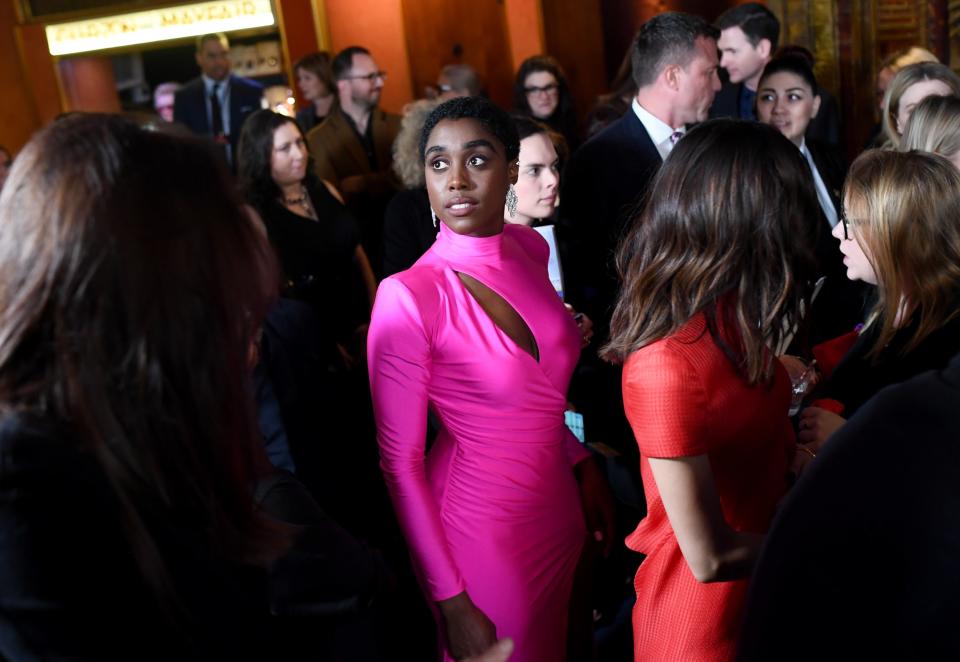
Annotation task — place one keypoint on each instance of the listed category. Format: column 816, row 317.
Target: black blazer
column 603, row 187
column 726, row 103
column 868, row 537
column 190, row 106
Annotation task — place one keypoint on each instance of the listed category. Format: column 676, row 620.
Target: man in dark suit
column 674, row 61
column 216, row 103
column 351, row 148
column 748, row 37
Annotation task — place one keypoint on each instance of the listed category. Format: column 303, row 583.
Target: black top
column 317, row 259
column 856, row 378
column 70, row 588
column 861, row 560
column 408, row 230
column 307, row 118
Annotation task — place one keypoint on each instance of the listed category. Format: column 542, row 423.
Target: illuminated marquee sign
column 143, row 27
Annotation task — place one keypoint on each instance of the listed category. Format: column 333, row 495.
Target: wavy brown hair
column 726, row 232
column 131, row 286
column 907, row 206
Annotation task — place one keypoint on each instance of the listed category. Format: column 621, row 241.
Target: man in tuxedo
column 216, row 103
column 351, row 148
column 748, row 38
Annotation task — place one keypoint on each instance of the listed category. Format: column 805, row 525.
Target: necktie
column 216, row 113
column 675, row 137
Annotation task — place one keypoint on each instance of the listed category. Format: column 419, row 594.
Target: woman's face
column 537, row 181
column 288, row 160
column 914, row 95
column 467, row 177
column 311, row 87
column 786, row 102
column 543, row 93
column 856, row 256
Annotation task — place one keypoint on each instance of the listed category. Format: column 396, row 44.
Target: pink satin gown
column 494, row 507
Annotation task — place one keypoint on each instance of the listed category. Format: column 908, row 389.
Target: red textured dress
column 683, row 398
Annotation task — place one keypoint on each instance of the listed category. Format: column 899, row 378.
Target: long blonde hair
column 908, row 204
column 934, row 126
column 906, row 77
column 726, row 233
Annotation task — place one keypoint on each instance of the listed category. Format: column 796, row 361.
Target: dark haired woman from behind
column 713, row 274
column 475, row 332
column 540, row 91
column 132, row 287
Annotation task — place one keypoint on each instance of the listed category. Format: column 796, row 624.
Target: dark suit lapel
column 200, row 103
column 349, row 144
column 637, row 134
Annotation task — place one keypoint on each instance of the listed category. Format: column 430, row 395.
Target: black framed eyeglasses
column 546, row 89
column 371, row 77
column 848, row 224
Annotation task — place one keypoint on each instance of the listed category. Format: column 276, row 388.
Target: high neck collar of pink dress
column 453, row 246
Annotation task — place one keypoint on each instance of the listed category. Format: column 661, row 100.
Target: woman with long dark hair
column 540, row 91
column 714, row 271
column 475, row 332
column 131, row 288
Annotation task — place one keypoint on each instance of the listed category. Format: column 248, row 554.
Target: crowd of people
column 482, row 384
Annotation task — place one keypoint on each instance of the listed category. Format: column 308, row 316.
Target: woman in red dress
column 714, row 271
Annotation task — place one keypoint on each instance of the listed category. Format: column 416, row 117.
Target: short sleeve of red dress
column 665, row 402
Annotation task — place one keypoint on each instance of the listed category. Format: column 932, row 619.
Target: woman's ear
column 513, row 171
column 816, row 106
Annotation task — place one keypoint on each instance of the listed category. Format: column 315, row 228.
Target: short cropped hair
column 756, row 21
column 463, row 78
column 213, row 36
column 668, row 38
column 342, row 62
column 493, row 118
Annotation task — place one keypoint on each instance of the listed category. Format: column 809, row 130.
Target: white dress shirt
column 826, row 204
column 659, row 131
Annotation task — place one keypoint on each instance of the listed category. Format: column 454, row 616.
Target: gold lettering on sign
column 158, row 25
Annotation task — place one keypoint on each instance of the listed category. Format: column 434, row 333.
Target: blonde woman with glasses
column 901, row 233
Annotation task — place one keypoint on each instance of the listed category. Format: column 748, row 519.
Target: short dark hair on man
column 342, row 62
column 493, row 118
column 756, row 21
column 668, row 38
column 793, row 64
column 213, row 36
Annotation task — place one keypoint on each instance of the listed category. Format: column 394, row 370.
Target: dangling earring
column 512, row 201
column 433, row 214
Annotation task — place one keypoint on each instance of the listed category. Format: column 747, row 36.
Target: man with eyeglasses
column 351, row 148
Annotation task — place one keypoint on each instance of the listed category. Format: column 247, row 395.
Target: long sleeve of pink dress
column 494, row 508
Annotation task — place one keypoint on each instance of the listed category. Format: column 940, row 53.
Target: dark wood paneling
column 440, row 32
column 573, row 32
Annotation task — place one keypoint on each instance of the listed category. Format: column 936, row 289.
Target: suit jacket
column 726, row 103
column 867, row 538
column 603, row 187
column 190, row 106
column 338, row 154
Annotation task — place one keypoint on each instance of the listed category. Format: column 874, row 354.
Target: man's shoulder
column 246, row 85
column 627, row 137
column 193, row 86
column 333, row 125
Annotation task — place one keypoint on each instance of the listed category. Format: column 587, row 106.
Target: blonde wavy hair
column 905, row 78
column 407, row 162
column 934, row 126
column 908, row 206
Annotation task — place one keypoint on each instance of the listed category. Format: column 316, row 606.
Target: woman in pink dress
column 475, row 332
